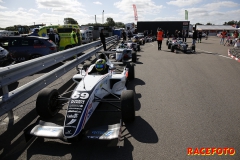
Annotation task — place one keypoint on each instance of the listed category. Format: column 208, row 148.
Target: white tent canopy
column 215, row 27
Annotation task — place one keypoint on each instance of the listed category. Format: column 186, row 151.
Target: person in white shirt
column 237, row 44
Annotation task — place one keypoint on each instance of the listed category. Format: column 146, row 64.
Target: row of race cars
column 93, row 87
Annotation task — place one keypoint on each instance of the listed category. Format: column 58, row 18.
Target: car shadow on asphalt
column 14, row 147
column 131, row 86
column 97, row 149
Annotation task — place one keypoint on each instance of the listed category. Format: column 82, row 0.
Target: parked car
column 22, row 48
column 5, row 58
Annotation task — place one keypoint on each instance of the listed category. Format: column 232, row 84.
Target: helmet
column 100, row 65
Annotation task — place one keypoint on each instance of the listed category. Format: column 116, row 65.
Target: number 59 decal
column 83, row 95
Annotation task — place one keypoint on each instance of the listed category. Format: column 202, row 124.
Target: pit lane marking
column 215, row 54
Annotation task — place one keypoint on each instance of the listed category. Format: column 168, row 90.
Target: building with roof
column 214, row 29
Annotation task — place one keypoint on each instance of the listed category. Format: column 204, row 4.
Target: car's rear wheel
column 134, row 57
column 184, row 49
column 47, row 103
column 138, row 47
column 172, row 48
column 131, row 71
column 169, row 46
column 128, row 106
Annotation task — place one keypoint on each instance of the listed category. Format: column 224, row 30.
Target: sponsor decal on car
column 108, row 133
column 68, row 132
column 74, row 111
column 77, row 107
column 73, row 115
column 48, row 129
column 72, row 121
column 77, row 101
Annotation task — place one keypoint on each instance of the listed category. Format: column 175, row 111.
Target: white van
column 86, row 35
column 8, row 33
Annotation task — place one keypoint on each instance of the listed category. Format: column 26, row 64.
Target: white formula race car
column 92, row 88
column 123, row 53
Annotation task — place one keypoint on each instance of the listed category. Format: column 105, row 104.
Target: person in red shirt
column 223, row 35
column 159, row 38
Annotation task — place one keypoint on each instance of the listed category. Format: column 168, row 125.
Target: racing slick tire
column 138, row 48
column 46, row 103
column 185, row 49
column 128, row 106
column 134, row 57
column 172, row 48
column 169, row 46
column 167, row 42
column 131, row 71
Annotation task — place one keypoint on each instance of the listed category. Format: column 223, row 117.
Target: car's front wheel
column 134, row 57
column 128, row 106
column 47, row 103
column 131, row 71
column 138, row 47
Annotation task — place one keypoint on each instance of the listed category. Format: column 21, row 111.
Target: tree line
column 109, row 22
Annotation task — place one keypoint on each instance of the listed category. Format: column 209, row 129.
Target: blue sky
column 26, row 12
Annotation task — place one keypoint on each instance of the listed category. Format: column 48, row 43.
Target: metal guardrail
column 11, row 74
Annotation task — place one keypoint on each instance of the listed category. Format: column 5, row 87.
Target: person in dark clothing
column 167, row 34
column 34, row 33
column 57, row 37
column 194, row 38
column 199, row 36
column 78, row 37
column 130, row 34
column 179, row 34
column 145, row 33
column 102, row 37
column 176, row 34
column 185, row 35
column 52, row 35
column 124, row 35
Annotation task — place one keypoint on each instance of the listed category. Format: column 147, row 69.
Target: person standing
column 78, row 34
column 223, row 35
column 167, row 34
column 207, row 35
column 57, row 37
column 179, row 34
column 200, row 36
column 185, row 35
column 52, row 35
column 74, row 41
column 159, row 38
column 194, row 38
column 124, row 35
column 102, row 37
